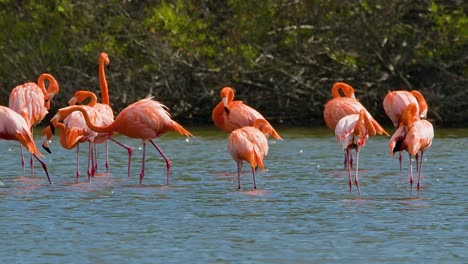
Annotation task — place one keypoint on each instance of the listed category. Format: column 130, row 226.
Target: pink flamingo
column 103, row 110
column 146, row 119
column 353, row 131
column 32, row 102
column 229, row 115
column 74, row 131
column 413, row 135
column 250, row 143
column 395, row 104
column 14, row 127
column 341, row 106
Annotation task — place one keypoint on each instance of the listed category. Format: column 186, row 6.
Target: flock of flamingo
column 353, row 125
column 248, row 130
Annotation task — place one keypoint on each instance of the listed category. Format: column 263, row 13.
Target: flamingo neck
column 347, row 90
column 421, row 103
column 51, row 91
column 103, row 82
column 63, row 113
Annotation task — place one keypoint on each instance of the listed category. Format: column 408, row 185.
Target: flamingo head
column 104, row 58
column 227, row 95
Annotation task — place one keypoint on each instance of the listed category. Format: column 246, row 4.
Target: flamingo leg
column 142, row 173
column 90, row 162
column 253, row 174
column 95, row 163
column 400, row 157
column 350, row 181
column 22, row 158
column 411, row 174
column 44, row 167
column 130, row 151
column 345, row 163
column 31, row 163
column 417, row 161
column 420, row 168
column 168, row 162
column 356, row 179
column 77, row 162
column 107, row 157
column 239, row 169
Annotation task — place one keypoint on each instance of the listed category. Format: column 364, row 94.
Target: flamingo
column 103, row 108
column 341, row 106
column 75, row 131
column 413, row 135
column 145, row 119
column 250, row 143
column 32, row 102
column 69, row 138
column 106, row 110
column 15, row 127
column 353, row 132
column 229, row 115
column 395, row 103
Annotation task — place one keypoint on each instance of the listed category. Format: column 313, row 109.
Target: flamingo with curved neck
column 146, row 120
column 347, row 90
column 413, row 135
column 103, row 108
column 229, row 114
column 353, row 132
column 32, row 101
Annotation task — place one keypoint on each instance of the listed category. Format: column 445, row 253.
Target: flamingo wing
column 28, row 101
column 338, row 108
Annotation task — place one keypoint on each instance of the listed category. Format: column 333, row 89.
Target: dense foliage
column 281, row 56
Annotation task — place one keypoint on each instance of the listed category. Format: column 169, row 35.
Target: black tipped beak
column 46, row 149
column 226, row 110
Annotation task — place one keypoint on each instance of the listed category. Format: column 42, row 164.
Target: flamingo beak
column 72, row 101
column 225, row 103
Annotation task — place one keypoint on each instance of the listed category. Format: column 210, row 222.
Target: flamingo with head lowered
column 249, row 143
column 32, row 102
column 353, row 132
column 145, row 119
column 15, row 127
column 230, row 114
column 341, row 106
column 395, row 104
column 413, row 135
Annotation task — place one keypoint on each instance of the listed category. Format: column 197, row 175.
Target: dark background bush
column 282, row 57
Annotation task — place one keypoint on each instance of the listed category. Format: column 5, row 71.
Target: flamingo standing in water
column 353, row 131
column 229, row 115
column 75, row 131
column 341, row 106
column 103, row 110
column 15, row 127
column 250, row 143
column 395, row 104
column 413, row 135
column 146, row 120
column 32, row 102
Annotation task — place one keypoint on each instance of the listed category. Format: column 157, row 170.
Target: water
column 302, row 211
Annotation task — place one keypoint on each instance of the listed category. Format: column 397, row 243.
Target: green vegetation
column 282, row 57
